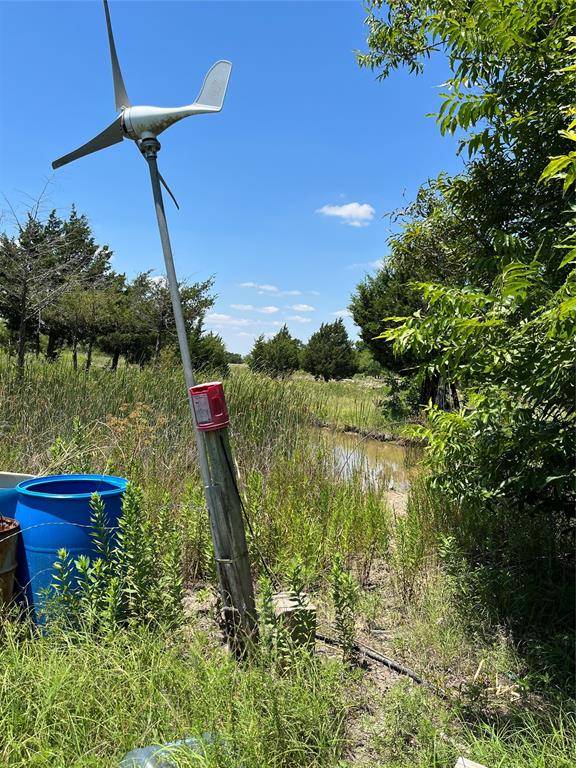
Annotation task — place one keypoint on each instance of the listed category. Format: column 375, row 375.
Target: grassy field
column 358, row 404
column 72, row 698
column 351, row 404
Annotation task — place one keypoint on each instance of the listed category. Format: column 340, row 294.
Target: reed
column 136, row 423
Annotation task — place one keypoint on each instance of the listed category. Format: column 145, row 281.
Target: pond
column 388, row 463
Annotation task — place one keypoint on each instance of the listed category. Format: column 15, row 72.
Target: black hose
column 381, row 659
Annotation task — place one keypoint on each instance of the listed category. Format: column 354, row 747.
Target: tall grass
column 80, row 701
column 352, row 404
column 412, row 729
column 304, row 507
column 136, row 423
column 136, row 419
column 508, row 570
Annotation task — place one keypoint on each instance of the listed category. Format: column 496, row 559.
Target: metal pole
column 219, row 485
column 150, row 149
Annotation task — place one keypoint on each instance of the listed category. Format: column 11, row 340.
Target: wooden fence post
column 230, row 547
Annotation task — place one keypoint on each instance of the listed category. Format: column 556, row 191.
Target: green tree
column 431, row 245
column 257, row 356
column 506, row 98
column 329, row 353
column 125, row 332
column 46, row 258
column 278, row 356
column 82, row 314
column 144, row 322
column 507, row 333
column 156, row 308
column 366, row 363
column 208, row 352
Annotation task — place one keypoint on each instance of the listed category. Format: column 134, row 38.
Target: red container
column 209, row 406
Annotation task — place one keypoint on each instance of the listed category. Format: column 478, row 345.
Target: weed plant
column 345, row 596
column 134, row 578
column 411, row 728
column 504, row 571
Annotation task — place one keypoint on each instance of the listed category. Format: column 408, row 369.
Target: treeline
column 329, row 354
column 480, row 283
column 58, row 290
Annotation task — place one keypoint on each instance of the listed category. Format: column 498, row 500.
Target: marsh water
column 389, row 463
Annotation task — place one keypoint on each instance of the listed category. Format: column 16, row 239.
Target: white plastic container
column 8, row 483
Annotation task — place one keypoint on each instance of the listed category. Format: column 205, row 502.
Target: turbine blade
column 214, row 87
column 112, row 135
column 167, row 188
column 120, row 94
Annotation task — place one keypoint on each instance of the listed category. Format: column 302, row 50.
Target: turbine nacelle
column 149, row 122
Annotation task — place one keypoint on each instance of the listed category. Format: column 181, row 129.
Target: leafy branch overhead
column 505, row 58
column 479, row 287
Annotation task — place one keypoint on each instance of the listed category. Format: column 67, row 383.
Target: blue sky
column 282, row 195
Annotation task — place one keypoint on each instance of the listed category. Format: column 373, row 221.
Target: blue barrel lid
column 72, row 486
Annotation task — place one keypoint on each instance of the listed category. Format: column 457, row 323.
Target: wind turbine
column 143, row 124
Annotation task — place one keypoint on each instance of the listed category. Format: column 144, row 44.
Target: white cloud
column 302, row 308
column 270, row 310
column 377, row 264
column 353, row 214
column 342, row 313
column 262, row 288
column 220, row 320
column 314, row 293
column 299, row 319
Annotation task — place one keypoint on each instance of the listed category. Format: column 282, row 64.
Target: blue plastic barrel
column 54, row 513
column 8, row 493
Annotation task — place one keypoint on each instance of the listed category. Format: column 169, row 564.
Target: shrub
column 278, row 357
column 345, row 596
column 506, row 461
column 366, row 362
column 135, row 578
column 329, row 353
